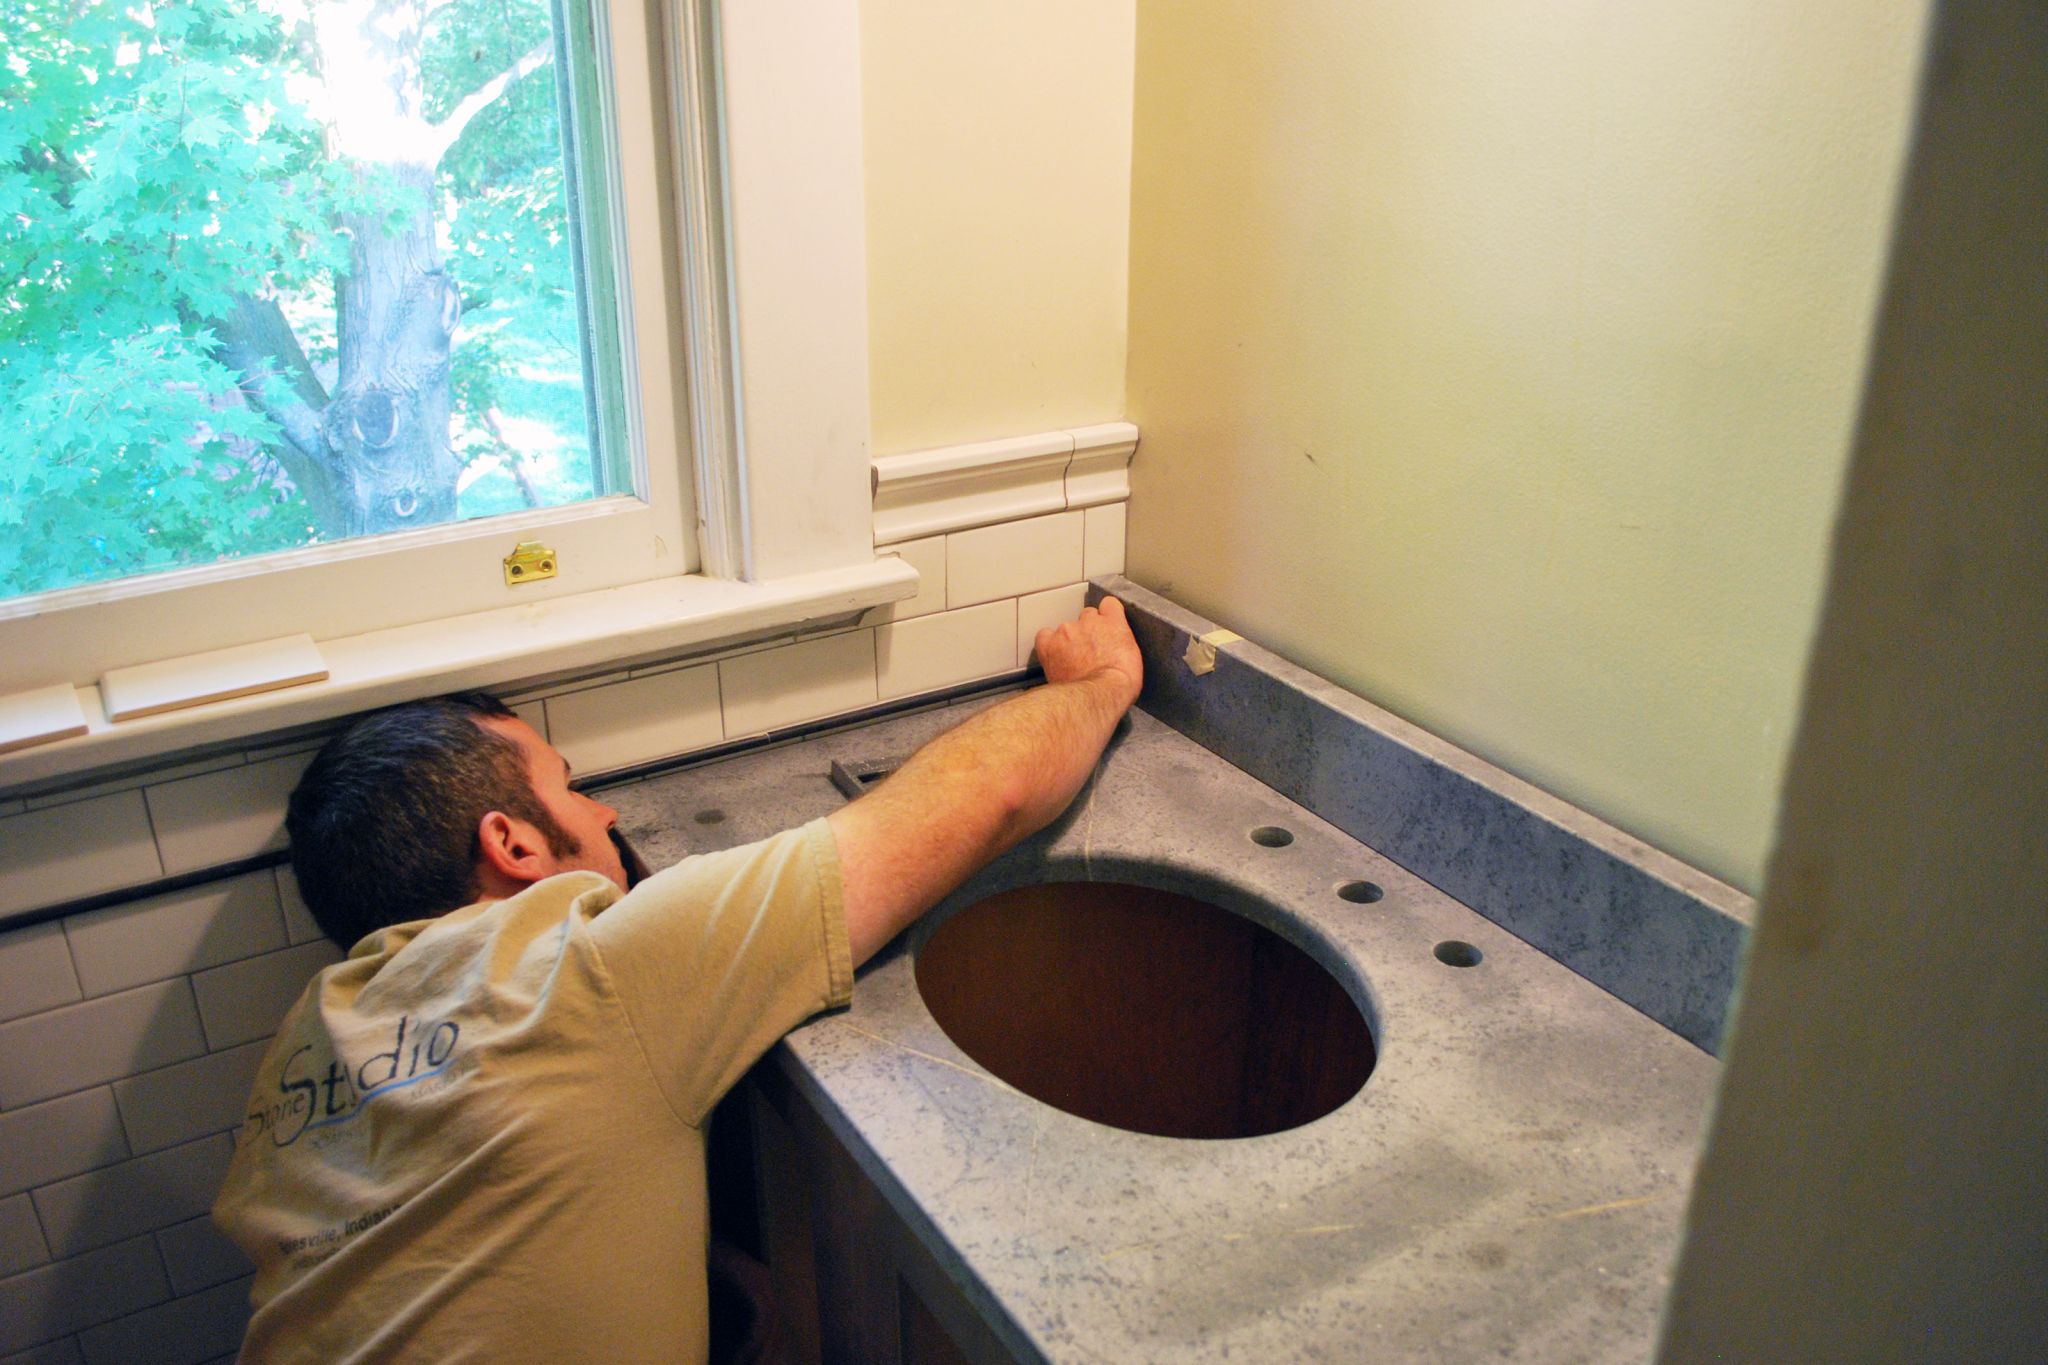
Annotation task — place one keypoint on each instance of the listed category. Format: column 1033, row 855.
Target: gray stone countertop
column 1508, row 1185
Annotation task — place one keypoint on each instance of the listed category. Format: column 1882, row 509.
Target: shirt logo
column 309, row 1098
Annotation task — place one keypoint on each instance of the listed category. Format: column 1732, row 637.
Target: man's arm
column 993, row 780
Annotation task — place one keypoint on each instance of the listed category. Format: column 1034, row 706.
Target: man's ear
column 512, row 851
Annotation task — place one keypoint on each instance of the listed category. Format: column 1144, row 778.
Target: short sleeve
column 717, row 957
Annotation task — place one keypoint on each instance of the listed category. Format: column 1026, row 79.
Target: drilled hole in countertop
column 1272, row 836
column 1453, row 953
column 1360, row 893
column 714, row 816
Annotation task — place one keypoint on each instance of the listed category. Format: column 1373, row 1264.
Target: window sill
column 503, row 648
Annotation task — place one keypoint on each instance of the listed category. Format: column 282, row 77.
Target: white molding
column 1100, row 471
column 953, row 488
column 500, row 648
column 795, row 197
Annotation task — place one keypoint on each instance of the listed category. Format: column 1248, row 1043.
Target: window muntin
column 402, row 311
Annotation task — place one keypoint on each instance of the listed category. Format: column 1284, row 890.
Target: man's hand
column 1099, row 641
column 987, row 783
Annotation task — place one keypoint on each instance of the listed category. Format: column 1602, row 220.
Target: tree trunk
column 387, row 424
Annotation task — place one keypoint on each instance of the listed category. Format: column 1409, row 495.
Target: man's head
column 415, row 811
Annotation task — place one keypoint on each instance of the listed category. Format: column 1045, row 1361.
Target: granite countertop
column 1509, row 1183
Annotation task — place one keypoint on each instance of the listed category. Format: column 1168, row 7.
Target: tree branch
column 444, row 134
column 257, row 343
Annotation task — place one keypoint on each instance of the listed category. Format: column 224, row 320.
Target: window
column 314, row 308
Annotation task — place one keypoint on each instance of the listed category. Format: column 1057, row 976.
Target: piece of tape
column 1201, row 652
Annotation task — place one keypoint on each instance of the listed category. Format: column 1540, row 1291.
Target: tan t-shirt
column 480, row 1136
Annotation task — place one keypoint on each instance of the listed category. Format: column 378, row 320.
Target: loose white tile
column 86, row 847
column 59, row 1139
column 62, row 1050
column 951, row 647
column 638, row 719
column 1041, row 609
column 299, row 924
column 83, row 1291
column 186, row 1331
column 176, row 1104
column 163, row 685
column 244, row 1001
column 928, row 557
column 35, row 971
column 535, row 714
column 1104, row 553
column 796, row 683
column 21, row 1237
column 199, row 1255
column 1012, row 559
column 237, row 813
column 165, row 936
column 137, row 1196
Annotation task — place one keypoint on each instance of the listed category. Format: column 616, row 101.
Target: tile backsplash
column 129, row 1034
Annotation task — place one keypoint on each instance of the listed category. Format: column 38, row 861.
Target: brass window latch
column 529, row 562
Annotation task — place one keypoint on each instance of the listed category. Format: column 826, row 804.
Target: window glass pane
column 282, row 272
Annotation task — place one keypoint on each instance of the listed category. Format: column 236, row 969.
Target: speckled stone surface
column 1508, row 1184
column 1663, row 936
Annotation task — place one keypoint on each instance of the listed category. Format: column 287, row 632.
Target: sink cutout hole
column 1360, row 893
column 1145, row 1010
column 713, row 816
column 1272, row 836
column 1453, row 953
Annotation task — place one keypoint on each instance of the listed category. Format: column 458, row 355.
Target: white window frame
column 762, row 412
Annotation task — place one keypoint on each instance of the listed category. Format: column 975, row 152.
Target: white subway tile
column 21, row 1237
column 62, row 1050
column 299, row 924
column 244, row 1001
column 952, row 647
column 187, row 1331
column 638, row 719
column 165, row 936
column 58, row 1139
column 179, row 1103
column 199, row 1255
column 64, row 796
column 133, row 1197
column 35, row 971
column 238, row 813
column 1012, row 559
column 1041, row 609
column 796, row 683
column 59, row 1299
column 61, row 1352
column 928, row 557
column 1104, row 540
column 86, row 847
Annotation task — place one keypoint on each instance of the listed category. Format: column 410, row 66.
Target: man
column 480, row 1137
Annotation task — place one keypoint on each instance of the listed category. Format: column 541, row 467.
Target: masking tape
column 1201, row 653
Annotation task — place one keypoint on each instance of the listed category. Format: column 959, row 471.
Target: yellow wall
column 998, row 212
column 1499, row 361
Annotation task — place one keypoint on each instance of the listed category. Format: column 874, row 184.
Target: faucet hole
column 712, row 816
column 1360, row 893
column 1272, row 836
column 1453, row 953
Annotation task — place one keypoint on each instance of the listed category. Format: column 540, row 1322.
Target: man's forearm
column 966, row 797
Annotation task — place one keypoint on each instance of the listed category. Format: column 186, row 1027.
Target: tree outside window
column 280, row 272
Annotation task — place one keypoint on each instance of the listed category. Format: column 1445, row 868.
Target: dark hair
column 383, row 825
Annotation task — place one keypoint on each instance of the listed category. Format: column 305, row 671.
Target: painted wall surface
column 1873, row 1188
column 1499, row 362
column 998, row 142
